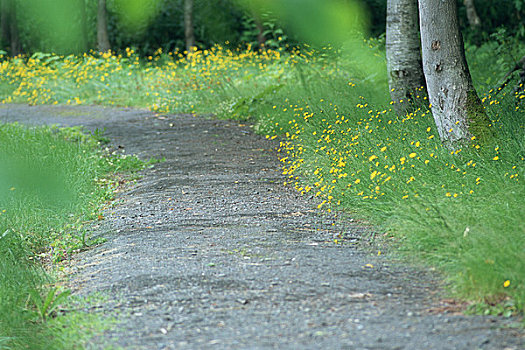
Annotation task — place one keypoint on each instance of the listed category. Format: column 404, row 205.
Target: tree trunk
column 520, row 66
column 472, row 15
column 261, row 38
column 102, row 27
column 188, row 25
column 403, row 53
column 4, row 21
column 16, row 47
column 83, row 42
column 457, row 110
column 9, row 27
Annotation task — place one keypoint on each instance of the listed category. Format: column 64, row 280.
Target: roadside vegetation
column 459, row 210
column 53, row 183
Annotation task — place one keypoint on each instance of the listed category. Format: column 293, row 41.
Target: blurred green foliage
column 42, row 182
column 215, row 22
column 69, row 26
column 134, row 16
column 315, row 22
column 53, row 25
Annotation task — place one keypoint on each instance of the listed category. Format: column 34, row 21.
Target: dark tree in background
column 83, row 44
column 456, row 107
column 25, row 27
column 189, row 33
column 472, row 15
column 261, row 38
column 403, row 53
column 9, row 26
column 102, row 27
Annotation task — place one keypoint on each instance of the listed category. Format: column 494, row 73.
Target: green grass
column 49, row 189
column 460, row 211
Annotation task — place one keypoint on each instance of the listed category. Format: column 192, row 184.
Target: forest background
column 153, row 24
column 291, row 72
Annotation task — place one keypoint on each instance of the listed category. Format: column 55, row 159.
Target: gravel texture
column 210, row 251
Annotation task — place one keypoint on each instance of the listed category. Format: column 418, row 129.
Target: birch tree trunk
column 472, row 15
column 456, row 107
column 189, row 34
column 403, row 53
column 102, row 27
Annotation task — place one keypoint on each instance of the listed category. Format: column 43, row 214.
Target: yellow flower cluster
column 335, row 152
column 371, row 155
column 163, row 82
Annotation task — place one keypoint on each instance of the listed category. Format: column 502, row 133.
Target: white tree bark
column 403, row 52
column 456, row 107
column 472, row 15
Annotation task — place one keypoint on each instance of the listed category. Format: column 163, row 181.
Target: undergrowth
column 341, row 142
column 53, row 182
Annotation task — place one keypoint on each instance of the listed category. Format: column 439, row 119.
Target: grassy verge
column 461, row 211
column 50, row 188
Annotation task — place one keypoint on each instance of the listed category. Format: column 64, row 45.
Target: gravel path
column 209, row 251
